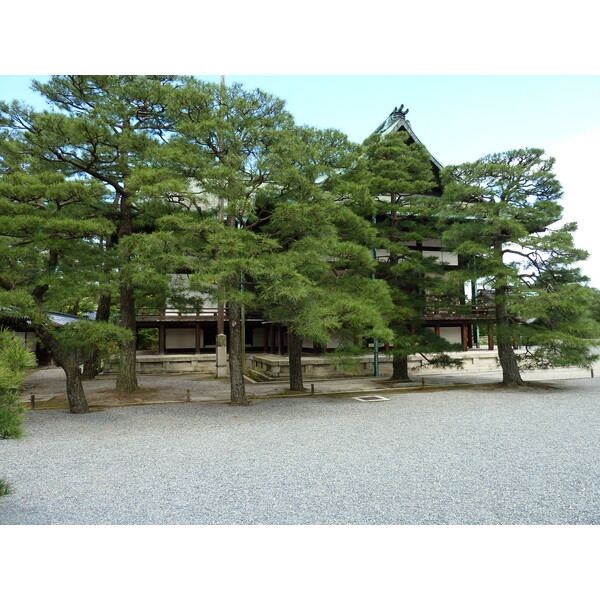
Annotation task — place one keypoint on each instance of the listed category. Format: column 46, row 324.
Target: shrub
column 4, row 488
column 15, row 360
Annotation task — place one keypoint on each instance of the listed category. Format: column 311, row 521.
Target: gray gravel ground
column 463, row 456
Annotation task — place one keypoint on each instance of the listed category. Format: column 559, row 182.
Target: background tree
column 216, row 259
column 397, row 182
column 502, row 213
column 320, row 282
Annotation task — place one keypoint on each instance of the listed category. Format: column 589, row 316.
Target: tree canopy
column 502, row 215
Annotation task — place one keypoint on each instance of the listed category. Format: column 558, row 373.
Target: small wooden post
column 161, row 338
column 33, row 400
column 198, row 338
column 188, row 395
column 312, row 389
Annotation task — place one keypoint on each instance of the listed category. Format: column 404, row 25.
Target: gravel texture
column 463, row 456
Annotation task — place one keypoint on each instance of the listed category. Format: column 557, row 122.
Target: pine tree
column 217, row 260
column 398, row 190
column 104, row 128
column 502, row 213
column 47, row 257
column 234, row 145
column 321, row 283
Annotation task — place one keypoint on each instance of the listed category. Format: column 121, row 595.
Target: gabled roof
column 397, row 121
column 57, row 318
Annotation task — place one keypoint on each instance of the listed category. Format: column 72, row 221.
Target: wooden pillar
column 469, row 335
column 464, row 336
column 265, row 339
column 437, row 330
column 161, row 338
column 490, row 336
column 220, row 318
column 280, row 340
column 198, row 338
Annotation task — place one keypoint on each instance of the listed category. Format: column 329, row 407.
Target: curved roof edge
column 397, row 121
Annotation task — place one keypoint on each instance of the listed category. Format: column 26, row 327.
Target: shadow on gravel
column 173, row 392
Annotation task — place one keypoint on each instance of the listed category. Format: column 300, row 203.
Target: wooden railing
column 204, row 313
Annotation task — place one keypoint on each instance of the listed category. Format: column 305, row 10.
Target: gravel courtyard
column 464, row 456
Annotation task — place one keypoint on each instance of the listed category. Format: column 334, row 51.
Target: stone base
column 275, row 367
column 171, row 363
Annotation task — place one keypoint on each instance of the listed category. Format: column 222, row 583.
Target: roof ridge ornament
column 396, row 115
column 399, row 113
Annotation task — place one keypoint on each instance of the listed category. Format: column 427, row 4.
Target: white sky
column 577, row 169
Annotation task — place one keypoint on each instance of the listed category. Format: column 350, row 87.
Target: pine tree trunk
column 126, row 377
column 400, row 368
column 511, row 375
column 399, row 361
column 92, row 366
column 236, row 372
column 67, row 362
column 75, row 393
column 295, row 362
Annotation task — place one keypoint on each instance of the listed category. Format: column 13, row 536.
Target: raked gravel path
column 462, row 456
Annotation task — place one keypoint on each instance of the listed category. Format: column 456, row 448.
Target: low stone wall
column 170, row 363
column 319, row 367
column 276, row 367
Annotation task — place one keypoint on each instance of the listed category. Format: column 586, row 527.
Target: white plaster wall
column 334, row 341
column 382, row 254
column 180, row 338
column 452, row 334
column 28, row 337
column 180, row 282
column 444, row 257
